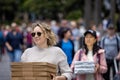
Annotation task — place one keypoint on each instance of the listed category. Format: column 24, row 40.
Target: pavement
column 5, row 68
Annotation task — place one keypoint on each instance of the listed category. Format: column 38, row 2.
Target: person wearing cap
column 91, row 52
column 111, row 43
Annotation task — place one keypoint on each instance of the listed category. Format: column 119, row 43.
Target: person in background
column 14, row 44
column 45, row 51
column 2, row 43
column 54, row 26
column 82, row 30
column 28, row 38
column 118, row 57
column 75, row 34
column 63, row 24
column 66, row 44
column 94, row 28
column 91, row 52
column 111, row 43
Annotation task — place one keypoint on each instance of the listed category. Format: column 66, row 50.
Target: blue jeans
column 15, row 56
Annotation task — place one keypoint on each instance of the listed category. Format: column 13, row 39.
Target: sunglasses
column 34, row 33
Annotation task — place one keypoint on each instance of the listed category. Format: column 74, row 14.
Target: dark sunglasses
column 34, row 33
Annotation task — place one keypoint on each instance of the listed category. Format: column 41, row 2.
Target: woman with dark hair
column 91, row 52
column 66, row 44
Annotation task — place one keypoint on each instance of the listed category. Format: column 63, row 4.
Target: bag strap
column 98, row 56
column 118, row 47
column 80, row 53
column 103, row 43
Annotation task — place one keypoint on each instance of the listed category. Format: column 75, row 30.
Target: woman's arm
column 76, row 57
column 8, row 46
column 102, row 65
column 60, row 78
column 118, row 56
column 63, row 67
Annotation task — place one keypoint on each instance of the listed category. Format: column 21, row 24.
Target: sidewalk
column 5, row 68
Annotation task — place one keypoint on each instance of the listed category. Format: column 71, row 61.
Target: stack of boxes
column 32, row 71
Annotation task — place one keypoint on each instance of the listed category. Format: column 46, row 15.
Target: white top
column 90, row 58
column 53, row 55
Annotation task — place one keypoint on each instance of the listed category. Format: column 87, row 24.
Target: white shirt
column 53, row 55
column 90, row 58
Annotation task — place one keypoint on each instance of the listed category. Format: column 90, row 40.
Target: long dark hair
column 96, row 47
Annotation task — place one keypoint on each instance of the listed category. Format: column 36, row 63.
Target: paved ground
column 5, row 68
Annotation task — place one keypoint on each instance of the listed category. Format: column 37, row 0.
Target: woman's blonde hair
column 51, row 37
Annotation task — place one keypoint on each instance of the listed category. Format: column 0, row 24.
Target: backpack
column 118, row 47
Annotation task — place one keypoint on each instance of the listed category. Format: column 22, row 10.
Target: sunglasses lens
column 38, row 33
column 33, row 34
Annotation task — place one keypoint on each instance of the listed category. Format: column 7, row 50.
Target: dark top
column 14, row 40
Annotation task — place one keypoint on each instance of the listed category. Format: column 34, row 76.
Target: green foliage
column 49, row 8
column 46, row 8
column 6, row 5
column 74, row 15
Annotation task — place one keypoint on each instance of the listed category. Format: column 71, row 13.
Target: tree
column 8, row 9
column 87, row 12
column 97, row 11
column 113, row 10
column 51, row 9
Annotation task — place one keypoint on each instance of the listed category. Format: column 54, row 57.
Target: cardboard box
column 32, row 71
column 31, row 78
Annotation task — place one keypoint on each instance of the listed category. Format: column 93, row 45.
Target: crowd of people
column 62, row 44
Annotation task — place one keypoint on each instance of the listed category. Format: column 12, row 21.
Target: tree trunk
column 87, row 12
column 3, row 17
column 112, row 12
column 25, row 17
column 97, row 11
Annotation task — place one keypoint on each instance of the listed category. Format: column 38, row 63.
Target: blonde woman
column 44, row 51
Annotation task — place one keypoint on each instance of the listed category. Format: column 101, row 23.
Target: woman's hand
column 97, row 67
column 10, row 48
column 59, row 78
column 118, row 56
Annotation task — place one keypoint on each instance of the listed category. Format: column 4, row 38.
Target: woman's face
column 38, row 36
column 68, row 34
column 90, row 40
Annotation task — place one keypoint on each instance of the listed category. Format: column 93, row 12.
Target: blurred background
column 31, row 10
column 78, row 15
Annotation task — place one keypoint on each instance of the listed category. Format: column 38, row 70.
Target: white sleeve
column 64, row 68
column 24, row 56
